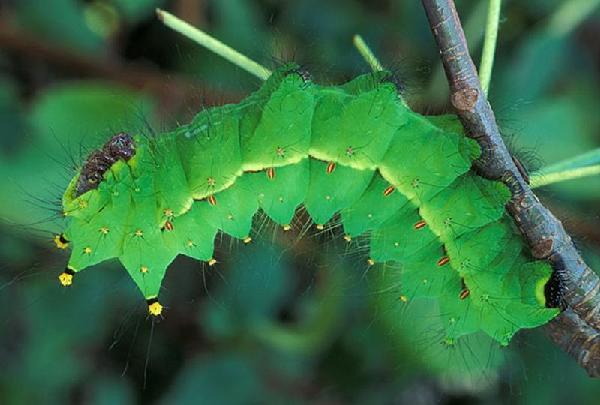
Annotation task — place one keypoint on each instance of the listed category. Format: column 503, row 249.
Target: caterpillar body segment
column 282, row 134
column 372, row 208
column 366, row 140
column 279, row 196
column 209, row 150
column 329, row 193
column 398, row 179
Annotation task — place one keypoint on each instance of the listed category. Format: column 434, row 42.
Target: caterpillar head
column 120, row 146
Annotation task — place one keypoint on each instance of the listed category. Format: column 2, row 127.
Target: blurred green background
column 281, row 320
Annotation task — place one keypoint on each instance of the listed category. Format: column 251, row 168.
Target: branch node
column 465, row 99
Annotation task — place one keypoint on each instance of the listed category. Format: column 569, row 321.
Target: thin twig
column 366, row 53
column 543, row 179
column 489, row 44
column 213, row 44
column 583, row 165
column 543, row 232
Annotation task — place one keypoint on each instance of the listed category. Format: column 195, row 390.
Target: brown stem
column 543, row 232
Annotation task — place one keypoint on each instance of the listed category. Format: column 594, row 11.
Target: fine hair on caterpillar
column 356, row 158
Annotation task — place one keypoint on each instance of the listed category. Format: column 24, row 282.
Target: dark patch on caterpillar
column 554, row 291
column 303, row 73
column 120, row 146
column 397, row 81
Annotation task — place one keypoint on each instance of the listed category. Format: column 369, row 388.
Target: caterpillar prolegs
column 397, row 179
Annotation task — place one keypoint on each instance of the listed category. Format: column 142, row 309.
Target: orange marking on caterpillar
column 443, row 261
column 60, row 241
column 169, row 226
column 330, row 167
column 389, row 190
column 270, row 173
column 211, row 200
column 421, row 224
column 464, row 293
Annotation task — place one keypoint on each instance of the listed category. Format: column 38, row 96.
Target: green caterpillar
column 397, row 179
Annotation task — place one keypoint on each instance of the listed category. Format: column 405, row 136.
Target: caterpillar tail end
column 155, row 308
column 66, row 277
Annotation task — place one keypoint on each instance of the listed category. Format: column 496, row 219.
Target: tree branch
column 578, row 339
column 576, row 329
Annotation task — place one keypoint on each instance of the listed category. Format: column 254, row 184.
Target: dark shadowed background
column 289, row 321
